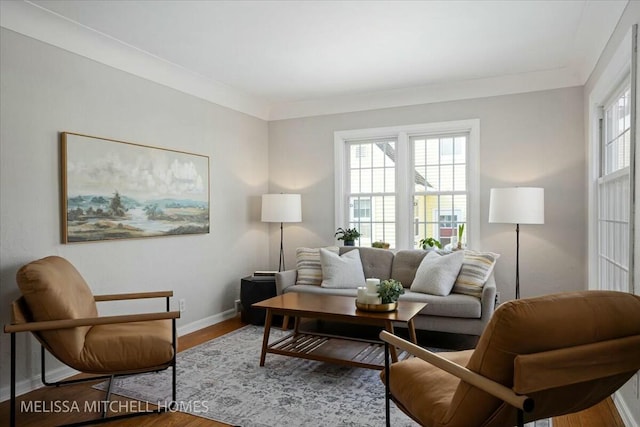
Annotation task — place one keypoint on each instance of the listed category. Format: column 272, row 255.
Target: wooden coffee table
column 331, row 348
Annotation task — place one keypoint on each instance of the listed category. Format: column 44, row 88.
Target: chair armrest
column 91, row 321
column 494, row 388
column 284, row 279
column 136, row 295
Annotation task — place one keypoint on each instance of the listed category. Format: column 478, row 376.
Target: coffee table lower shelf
column 330, row 348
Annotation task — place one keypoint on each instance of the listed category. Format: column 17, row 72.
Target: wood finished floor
column 604, row 414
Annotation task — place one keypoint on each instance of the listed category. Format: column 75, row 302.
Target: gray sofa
column 454, row 313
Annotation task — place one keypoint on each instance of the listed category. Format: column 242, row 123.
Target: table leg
column 265, row 339
column 412, row 332
column 285, row 322
column 296, row 325
column 392, row 348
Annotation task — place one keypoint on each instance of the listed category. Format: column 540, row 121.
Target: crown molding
column 448, row 91
column 41, row 24
column 35, row 22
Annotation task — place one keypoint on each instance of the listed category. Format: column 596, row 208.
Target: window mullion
column 404, row 205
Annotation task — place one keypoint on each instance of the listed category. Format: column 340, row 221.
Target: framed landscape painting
column 119, row 190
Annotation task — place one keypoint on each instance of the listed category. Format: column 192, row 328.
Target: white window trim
column 618, row 69
column 404, row 176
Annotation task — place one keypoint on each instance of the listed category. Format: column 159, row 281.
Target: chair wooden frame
column 34, row 327
column 521, row 402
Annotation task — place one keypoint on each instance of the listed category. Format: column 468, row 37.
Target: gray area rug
column 221, row 380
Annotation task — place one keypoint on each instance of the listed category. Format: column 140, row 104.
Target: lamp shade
column 517, row 205
column 281, row 208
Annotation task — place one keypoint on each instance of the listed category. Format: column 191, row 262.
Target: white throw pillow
column 341, row 271
column 437, row 274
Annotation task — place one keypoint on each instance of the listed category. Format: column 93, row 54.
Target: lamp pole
column 517, row 205
column 517, row 261
column 281, row 263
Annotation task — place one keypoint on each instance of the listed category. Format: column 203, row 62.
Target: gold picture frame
column 114, row 190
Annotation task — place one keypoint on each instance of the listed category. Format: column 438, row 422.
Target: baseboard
column 207, row 321
column 30, row 384
column 57, row 374
column 623, row 410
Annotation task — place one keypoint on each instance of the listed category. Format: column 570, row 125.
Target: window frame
column 620, row 67
column 620, row 89
column 405, row 173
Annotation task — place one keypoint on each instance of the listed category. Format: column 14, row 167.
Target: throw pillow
column 437, row 274
column 476, row 269
column 308, row 265
column 341, row 271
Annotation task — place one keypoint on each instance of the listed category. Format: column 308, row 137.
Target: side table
column 255, row 289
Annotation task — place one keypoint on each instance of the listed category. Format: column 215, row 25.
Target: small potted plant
column 348, row 236
column 430, row 242
column 390, row 290
column 460, row 233
column 381, row 245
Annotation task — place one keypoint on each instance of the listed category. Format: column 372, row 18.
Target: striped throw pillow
column 476, row 269
column 308, row 265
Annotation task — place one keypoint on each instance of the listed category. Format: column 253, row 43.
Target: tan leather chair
column 58, row 307
column 538, row 358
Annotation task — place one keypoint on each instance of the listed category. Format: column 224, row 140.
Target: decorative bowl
column 377, row 307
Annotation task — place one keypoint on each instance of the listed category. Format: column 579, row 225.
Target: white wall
column 532, row 139
column 608, row 68
column 45, row 90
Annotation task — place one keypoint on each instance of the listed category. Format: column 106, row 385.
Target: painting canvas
column 119, row 190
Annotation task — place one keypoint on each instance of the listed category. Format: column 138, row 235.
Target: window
column 613, row 192
column 403, row 184
column 440, row 186
column 372, row 200
column 616, row 139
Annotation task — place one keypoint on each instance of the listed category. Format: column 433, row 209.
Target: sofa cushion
column 453, row 305
column 437, row 273
column 308, row 265
column 404, row 266
column 376, row 262
column 311, row 289
column 476, row 269
column 341, row 271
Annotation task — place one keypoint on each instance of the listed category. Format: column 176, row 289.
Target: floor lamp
column 281, row 208
column 517, row 205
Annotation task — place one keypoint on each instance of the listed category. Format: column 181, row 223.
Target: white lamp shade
column 517, row 205
column 281, row 208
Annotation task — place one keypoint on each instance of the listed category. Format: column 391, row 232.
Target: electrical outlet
column 183, row 305
column 238, row 306
column 497, row 298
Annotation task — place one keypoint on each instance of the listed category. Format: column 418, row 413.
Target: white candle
column 362, row 295
column 372, row 285
column 373, row 298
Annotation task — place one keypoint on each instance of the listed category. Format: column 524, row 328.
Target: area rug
column 221, row 380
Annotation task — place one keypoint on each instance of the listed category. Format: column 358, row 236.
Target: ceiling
column 297, row 54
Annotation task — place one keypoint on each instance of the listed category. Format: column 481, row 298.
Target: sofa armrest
column 488, row 300
column 284, row 279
